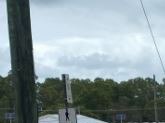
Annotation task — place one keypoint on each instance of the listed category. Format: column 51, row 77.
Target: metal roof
column 53, row 118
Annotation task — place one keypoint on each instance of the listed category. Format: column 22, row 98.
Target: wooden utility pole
column 22, row 60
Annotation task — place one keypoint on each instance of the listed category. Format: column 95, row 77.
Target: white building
column 53, row 118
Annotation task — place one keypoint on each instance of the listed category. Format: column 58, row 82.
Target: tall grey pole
column 121, row 120
column 22, row 60
column 155, row 100
column 65, row 94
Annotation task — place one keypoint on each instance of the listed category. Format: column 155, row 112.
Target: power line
column 152, row 35
column 119, row 110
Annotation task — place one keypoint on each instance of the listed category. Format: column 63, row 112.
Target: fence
column 136, row 115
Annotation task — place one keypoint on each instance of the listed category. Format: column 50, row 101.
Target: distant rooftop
column 53, row 118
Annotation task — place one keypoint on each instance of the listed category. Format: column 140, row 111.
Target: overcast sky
column 92, row 38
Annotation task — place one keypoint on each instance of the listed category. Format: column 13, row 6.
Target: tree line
column 99, row 98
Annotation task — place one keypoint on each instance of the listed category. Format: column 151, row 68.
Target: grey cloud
column 5, row 61
column 85, row 21
column 44, row 2
column 156, row 7
column 104, row 64
column 93, row 61
column 91, row 18
column 43, row 71
column 107, row 20
column 92, row 3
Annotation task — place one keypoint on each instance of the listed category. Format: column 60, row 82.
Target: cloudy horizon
column 89, row 39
